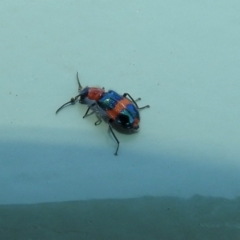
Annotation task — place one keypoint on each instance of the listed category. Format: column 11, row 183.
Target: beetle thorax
column 95, row 93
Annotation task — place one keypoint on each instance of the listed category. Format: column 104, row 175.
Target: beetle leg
column 111, row 130
column 138, row 99
column 86, row 114
column 135, row 101
column 98, row 115
column 90, row 107
column 98, row 121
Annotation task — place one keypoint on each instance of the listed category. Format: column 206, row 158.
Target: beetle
column 121, row 110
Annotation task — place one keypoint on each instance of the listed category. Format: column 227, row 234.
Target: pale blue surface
column 181, row 57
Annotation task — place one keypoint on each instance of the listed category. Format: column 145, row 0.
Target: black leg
column 138, row 99
column 86, row 114
column 135, row 101
column 111, row 130
column 98, row 121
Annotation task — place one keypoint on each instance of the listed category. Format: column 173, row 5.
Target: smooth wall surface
column 181, row 57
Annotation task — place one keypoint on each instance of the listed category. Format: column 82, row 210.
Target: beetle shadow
column 102, row 117
column 122, row 130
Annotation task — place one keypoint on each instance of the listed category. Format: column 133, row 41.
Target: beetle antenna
column 79, row 84
column 72, row 101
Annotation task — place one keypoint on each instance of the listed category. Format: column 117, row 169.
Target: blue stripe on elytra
column 109, row 100
column 133, row 110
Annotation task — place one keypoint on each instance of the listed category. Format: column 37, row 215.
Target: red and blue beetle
column 121, row 110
